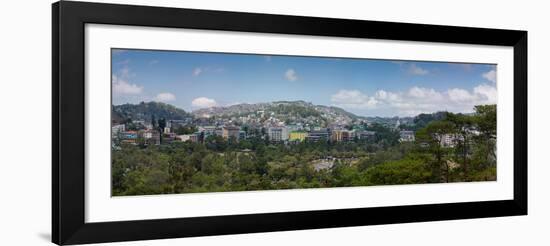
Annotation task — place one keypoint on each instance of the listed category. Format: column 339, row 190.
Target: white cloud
column 423, row 93
column 481, row 94
column 491, row 76
column 416, row 70
column 487, row 93
column 460, row 95
column 415, row 100
column 121, row 86
column 382, row 94
column 386, row 95
column 353, row 99
column 165, row 97
column 203, row 102
column 290, row 75
column 197, row 71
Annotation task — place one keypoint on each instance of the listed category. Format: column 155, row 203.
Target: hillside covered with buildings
column 159, row 148
column 286, row 121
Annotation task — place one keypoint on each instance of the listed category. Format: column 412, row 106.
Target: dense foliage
column 146, row 110
column 256, row 164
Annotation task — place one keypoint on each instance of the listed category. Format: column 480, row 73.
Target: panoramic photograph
column 189, row 122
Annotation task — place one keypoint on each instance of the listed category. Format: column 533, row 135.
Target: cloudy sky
column 193, row 80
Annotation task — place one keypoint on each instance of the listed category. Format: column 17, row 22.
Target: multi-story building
column 151, row 137
column 138, row 122
column 129, row 137
column 277, row 133
column 365, row 135
column 297, row 136
column 218, row 131
column 284, row 133
column 147, row 134
column 229, row 132
column 168, row 138
column 450, row 140
column 184, row 137
column 148, row 126
column 274, row 134
column 253, row 130
column 194, row 138
column 242, row 135
column 318, row 135
column 342, row 135
column 208, row 131
column 116, row 129
column 406, row 136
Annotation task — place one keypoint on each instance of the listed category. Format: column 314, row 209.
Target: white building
column 277, row 134
column 148, row 126
column 116, row 129
column 139, row 122
column 208, row 130
column 450, row 140
column 148, row 134
column 406, row 136
column 185, row 137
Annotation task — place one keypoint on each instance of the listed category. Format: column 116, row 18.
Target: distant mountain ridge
column 245, row 108
column 283, row 109
column 146, row 110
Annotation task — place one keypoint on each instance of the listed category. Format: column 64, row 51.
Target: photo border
column 68, row 172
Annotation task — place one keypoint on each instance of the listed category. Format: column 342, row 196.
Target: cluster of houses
column 317, row 134
column 148, row 135
column 271, row 128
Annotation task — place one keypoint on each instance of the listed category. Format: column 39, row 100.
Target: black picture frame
column 68, row 107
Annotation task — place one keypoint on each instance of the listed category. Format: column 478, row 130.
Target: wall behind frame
column 25, row 96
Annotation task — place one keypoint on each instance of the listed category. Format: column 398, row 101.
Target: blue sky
column 192, row 80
